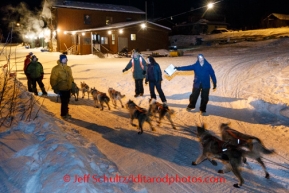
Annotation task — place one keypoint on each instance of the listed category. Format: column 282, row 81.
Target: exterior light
column 120, row 31
column 73, row 33
column 65, row 32
column 143, row 25
column 58, row 30
column 83, row 34
column 109, row 32
column 210, row 5
column 47, row 32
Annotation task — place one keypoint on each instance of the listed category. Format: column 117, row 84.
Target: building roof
column 118, row 26
column 96, row 6
column 204, row 22
column 279, row 16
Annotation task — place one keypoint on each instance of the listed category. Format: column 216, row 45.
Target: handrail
column 70, row 49
column 108, row 51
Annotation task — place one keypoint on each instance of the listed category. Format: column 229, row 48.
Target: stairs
column 99, row 54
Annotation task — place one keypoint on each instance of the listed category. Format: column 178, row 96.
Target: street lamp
column 209, row 6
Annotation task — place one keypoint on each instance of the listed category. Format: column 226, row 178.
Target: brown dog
column 253, row 144
column 138, row 113
column 99, row 97
column 84, row 88
column 231, row 156
column 162, row 110
column 114, row 96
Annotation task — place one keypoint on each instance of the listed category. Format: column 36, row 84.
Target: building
column 275, row 20
column 202, row 26
column 86, row 28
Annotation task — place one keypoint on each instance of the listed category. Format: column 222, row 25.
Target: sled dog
column 230, row 155
column 114, row 96
column 99, row 97
column 253, row 144
column 138, row 113
column 162, row 111
column 84, row 88
column 75, row 91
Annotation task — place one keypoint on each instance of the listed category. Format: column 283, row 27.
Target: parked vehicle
column 219, row 30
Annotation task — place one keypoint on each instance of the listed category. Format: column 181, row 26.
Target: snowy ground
column 44, row 153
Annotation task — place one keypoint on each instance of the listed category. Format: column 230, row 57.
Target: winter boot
column 43, row 91
column 35, row 91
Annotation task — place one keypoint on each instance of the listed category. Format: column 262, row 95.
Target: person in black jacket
column 35, row 73
column 154, row 77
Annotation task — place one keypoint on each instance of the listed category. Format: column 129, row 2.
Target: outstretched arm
column 185, row 68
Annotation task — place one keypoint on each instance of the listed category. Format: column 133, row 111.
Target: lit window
column 108, row 20
column 133, row 37
column 87, row 19
column 104, row 40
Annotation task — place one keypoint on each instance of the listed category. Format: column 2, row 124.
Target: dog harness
column 243, row 141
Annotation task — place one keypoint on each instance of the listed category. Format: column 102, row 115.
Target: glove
column 144, row 72
column 215, row 87
column 123, row 70
column 177, row 68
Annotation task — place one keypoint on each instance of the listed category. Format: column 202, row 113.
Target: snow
column 40, row 151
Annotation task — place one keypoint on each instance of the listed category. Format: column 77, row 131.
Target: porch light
column 65, row 32
column 109, row 32
column 143, row 25
column 83, row 34
column 120, row 31
column 73, row 33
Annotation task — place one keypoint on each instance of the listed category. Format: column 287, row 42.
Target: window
column 133, row 37
column 86, row 41
column 96, row 38
column 112, row 39
column 87, row 19
column 108, row 20
column 104, row 40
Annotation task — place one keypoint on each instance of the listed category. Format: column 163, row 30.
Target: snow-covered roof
column 97, row 6
column 119, row 25
column 280, row 16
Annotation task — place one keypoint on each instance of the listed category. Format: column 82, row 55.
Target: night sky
column 238, row 13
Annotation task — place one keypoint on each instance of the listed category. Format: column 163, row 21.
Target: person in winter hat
column 35, row 73
column 138, row 66
column 154, row 78
column 61, row 82
column 26, row 62
column 203, row 73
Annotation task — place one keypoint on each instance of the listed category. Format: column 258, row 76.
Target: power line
column 171, row 17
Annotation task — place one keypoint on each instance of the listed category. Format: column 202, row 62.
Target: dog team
column 232, row 149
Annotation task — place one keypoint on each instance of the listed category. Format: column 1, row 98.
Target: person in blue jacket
column 154, row 77
column 203, row 72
